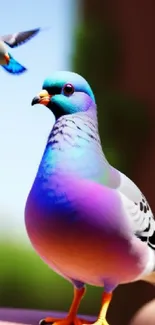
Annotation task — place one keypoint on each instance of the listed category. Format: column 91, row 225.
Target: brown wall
column 135, row 22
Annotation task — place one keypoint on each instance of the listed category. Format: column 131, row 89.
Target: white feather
column 138, row 210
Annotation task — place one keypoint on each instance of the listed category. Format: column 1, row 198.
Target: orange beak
column 42, row 98
column 6, row 58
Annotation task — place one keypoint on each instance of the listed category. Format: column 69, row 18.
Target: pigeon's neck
column 74, row 131
column 74, row 146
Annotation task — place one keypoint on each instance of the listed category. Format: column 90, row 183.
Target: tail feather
column 14, row 67
column 150, row 278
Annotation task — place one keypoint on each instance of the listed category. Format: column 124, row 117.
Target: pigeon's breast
column 78, row 233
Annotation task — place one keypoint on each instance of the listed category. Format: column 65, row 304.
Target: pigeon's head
column 65, row 93
column 4, row 56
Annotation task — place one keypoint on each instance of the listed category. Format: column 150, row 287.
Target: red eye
column 68, row 89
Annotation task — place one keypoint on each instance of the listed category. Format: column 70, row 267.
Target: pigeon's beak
column 42, row 98
column 6, row 58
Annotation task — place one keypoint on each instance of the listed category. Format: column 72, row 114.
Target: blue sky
column 23, row 128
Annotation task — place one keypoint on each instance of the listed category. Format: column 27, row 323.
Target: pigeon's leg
column 105, row 304
column 71, row 318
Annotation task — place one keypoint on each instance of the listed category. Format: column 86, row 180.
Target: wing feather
column 16, row 39
column 139, row 211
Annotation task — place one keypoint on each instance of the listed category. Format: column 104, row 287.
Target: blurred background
column 111, row 43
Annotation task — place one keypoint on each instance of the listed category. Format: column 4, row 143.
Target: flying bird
column 88, row 221
column 13, row 40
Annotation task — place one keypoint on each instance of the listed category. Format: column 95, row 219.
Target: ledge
column 30, row 317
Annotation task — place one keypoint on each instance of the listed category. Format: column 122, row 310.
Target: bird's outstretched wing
column 16, row 39
column 14, row 67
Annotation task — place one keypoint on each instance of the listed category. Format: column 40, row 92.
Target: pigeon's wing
column 14, row 67
column 13, row 40
column 138, row 210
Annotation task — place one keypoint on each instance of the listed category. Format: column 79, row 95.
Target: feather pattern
column 139, row 210
column 80, row 131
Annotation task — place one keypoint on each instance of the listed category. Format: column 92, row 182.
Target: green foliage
column 123, row 123
column 26, row 282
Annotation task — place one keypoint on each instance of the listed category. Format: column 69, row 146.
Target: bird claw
column 42, row 322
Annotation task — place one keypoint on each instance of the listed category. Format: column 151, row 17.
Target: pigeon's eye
column 68, row 89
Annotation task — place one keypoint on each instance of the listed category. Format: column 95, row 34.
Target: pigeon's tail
column 151, row 276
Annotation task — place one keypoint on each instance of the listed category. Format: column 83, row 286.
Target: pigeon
column 13, row 40
column 86, row 220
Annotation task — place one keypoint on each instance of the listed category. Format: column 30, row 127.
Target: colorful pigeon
column 89, row 222
column 14, row 40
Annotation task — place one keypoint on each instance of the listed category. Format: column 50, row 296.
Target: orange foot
column 64, row 321
column 105, row 304
column 71, row 318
